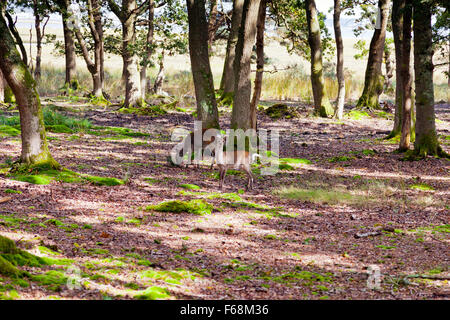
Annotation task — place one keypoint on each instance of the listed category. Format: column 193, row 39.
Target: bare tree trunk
column 159, row 81
column 212, row 24
column 94, row 67
column 340, row 59
column 227, row 82
column 259, row 62
column 127, row 14
column 426, row 142
column 69, row 46
column 322, row 105
column 145, row 81
column 34, row 142
column 397, row 29
column 389, row 69
column 70, row 56
column 406, row 79
column 373, row 83
column 201, row 69
column 241, row 114
column 133, row 95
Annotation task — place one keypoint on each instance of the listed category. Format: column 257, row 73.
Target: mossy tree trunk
column 207, row 110
column 322, row 105
column 241, row 114
column 406, row 79
column 34, row 142
column 426, row 142
column 259, row 61
column 398, row 7
column 340, row 59
column 227, row 82
column 374, row 80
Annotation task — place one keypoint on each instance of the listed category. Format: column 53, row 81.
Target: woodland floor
column 254, row 245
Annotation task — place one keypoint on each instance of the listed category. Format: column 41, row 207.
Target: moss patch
column 44, row 175
column 197, row 206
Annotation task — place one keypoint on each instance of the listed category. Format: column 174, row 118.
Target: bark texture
column 426, row 142
column 374, row 80
column 241, row 114
column 227, row 82
column 398, row 7
column 322, row 105
column 201, row 69
column 406, row 79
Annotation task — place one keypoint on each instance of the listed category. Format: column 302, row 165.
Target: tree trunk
column 69, row 48
column 389, row 69
column 34, row 142
column 2, row 87
column 98, row 26
column 159, row 81
column 133, row 97
column 227, row 82
column 201, row 69
column 212, row 24
column 406, row 79
column 37, row 27
column 259, row 62
column 398, row 7
column 94, row 67
column 373, row 83
column 241, row 114
column 426, row 142
column 340, row 59
column 322, row 105
column 145, row 81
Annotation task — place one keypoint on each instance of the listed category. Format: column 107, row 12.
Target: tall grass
column 292, row 84
column 53, row 78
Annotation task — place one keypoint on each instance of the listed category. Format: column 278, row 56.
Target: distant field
column 278, row 55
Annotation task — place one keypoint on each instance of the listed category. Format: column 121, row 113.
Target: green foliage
column 290, row 16
column 8, row 131
column 152, row 293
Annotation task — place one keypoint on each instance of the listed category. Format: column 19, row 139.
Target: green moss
column 43, row 175
column 198, row 206
column 285, row 166
column 227, row 99
column 152, row 293
column 58, row 128
column 54, row 280
column 153, row 111
column 280, row 110
column 295, row 160
column 189, row 186
column 13, row 191
column 340, row 159
column 421, row 186
column 357, row 115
